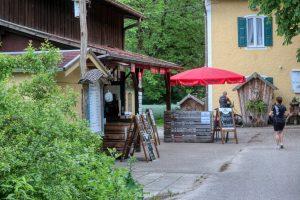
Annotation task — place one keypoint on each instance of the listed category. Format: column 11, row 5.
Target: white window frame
column 293, row 82
column 255, row 17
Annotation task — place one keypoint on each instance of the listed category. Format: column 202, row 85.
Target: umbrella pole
column 168, row 91
column 206, row 98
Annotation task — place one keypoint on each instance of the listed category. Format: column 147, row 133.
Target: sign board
column 139, row 129
column 226, row 118
column 94, row 108
column 151, row 118
column 295, row 78
column 146, row 137
column 188, row 126
column 148, row 145
column 205, row 118
column 227, row 123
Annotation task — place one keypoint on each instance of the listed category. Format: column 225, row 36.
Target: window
column 76, row 9
column 295, row 78
column 255, row 31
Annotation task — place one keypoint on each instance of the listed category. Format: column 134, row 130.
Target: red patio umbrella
column 206, row 76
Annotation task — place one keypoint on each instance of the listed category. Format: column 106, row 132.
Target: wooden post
column 140, row 89
column 83, row 52
column 83, row 37
column 122, row 92
column 134, row 78
column 168, row 91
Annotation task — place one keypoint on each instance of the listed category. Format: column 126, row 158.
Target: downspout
column 206, row 55
column 208, row 49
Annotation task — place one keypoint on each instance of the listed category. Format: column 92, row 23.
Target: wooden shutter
column 268, row 32
column 242, row 32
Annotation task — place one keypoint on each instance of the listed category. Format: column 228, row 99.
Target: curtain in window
column 250, row 31
column 259, row 31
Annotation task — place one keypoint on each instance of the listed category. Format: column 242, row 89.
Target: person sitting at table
column 224, row 101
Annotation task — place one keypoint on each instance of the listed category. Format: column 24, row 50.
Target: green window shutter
column 270, row 79
column 268, row 32
column 242, row 32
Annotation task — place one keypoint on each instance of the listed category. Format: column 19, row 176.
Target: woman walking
column 279, row 115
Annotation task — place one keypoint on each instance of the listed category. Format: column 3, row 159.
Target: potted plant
column 295, row 102
column 294, row 110
column 257, row 108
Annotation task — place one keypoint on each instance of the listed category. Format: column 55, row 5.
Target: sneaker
column 281, row 146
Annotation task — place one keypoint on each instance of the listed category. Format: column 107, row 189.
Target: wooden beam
column 122, row 92
column 131, row 26
column 168, row 91
column 83, row 37
column 127, row 75
column 134, row 77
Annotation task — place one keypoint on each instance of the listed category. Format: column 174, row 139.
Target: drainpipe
column 206, row 52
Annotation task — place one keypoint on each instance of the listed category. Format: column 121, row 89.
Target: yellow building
column 240, row 40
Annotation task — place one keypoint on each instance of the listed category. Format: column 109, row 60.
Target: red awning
column 206, row 76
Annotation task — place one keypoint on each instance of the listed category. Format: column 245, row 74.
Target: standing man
column 279, row 113
column 224, row 101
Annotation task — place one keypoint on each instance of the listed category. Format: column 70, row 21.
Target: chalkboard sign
column 151, row 119
column 227, row 124
column 146, row 137
column 226, row 118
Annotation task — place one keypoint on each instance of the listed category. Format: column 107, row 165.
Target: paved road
column 184, row 166
column 258, row 172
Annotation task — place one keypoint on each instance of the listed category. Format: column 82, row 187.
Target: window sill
column 256, row 48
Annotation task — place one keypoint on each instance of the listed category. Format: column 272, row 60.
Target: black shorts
column 278, row 126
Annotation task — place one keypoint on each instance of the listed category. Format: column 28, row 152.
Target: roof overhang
column 131, row 13
column 71, row 61
column 107, row 53
column 138, row 59
column 189, row 96
column 256, row 75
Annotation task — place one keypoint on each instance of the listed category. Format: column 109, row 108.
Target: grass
column 158, row 111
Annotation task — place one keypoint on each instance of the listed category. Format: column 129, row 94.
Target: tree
column 173, row 31
column 287, row 17
column 46, row 151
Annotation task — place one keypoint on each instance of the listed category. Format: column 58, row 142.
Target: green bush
column 47, row 152
column 256, row 106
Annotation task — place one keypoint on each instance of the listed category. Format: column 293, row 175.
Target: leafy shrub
column 256, row 106
column 46, row 151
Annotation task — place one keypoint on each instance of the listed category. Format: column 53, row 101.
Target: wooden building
column 191, row 103
column 22, row 21
column 256, row 87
